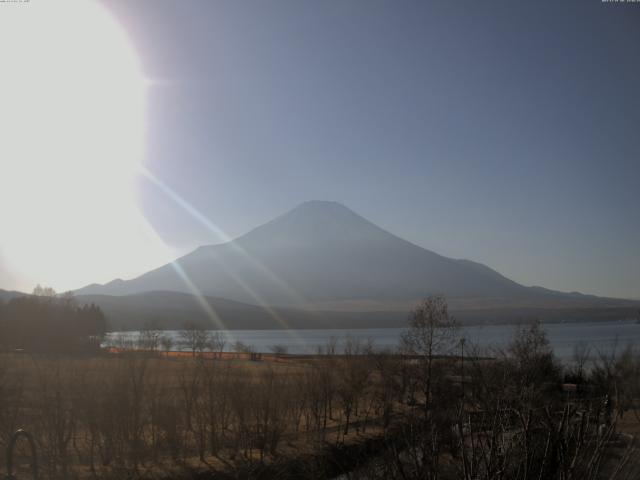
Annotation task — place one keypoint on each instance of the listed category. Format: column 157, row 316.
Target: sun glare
column 72, row 123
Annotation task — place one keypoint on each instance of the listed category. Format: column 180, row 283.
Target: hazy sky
column 500, row 131
column 504, row 132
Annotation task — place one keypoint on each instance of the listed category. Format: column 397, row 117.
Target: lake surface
column 563, row 337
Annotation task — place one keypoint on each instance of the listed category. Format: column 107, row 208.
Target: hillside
column 6, row 295
column 322, row 255
column 171, row 310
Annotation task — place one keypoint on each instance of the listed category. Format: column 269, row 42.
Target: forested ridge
column 46, row 322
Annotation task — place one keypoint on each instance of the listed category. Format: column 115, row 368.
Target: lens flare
column 72, row 118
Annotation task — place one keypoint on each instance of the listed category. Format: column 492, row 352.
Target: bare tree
column 194, row 337
column 431, row 332
column 149, row 339
column 534, row 370
column 217, row 341
column 40, row 291
column 241, row 347
column 279, row 350
column 166, row 341
column 581, row 354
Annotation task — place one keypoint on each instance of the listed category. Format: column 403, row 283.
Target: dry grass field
column 153, row 415
column 410, row 414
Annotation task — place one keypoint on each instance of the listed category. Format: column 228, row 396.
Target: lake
column 563, row 337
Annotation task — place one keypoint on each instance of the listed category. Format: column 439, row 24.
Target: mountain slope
column 171, row 310
column 6, row 295
column 322, row 253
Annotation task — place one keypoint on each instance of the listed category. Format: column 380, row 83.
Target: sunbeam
column 209, row 310
column 203, row 220
column 220, row 233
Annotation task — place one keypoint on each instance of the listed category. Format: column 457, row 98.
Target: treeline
column 436, row 408
column 521, row 415
column 138, row 414
column 46, row 322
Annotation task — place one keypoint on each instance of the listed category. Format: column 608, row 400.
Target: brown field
column 178, row 415
column 156, row 415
